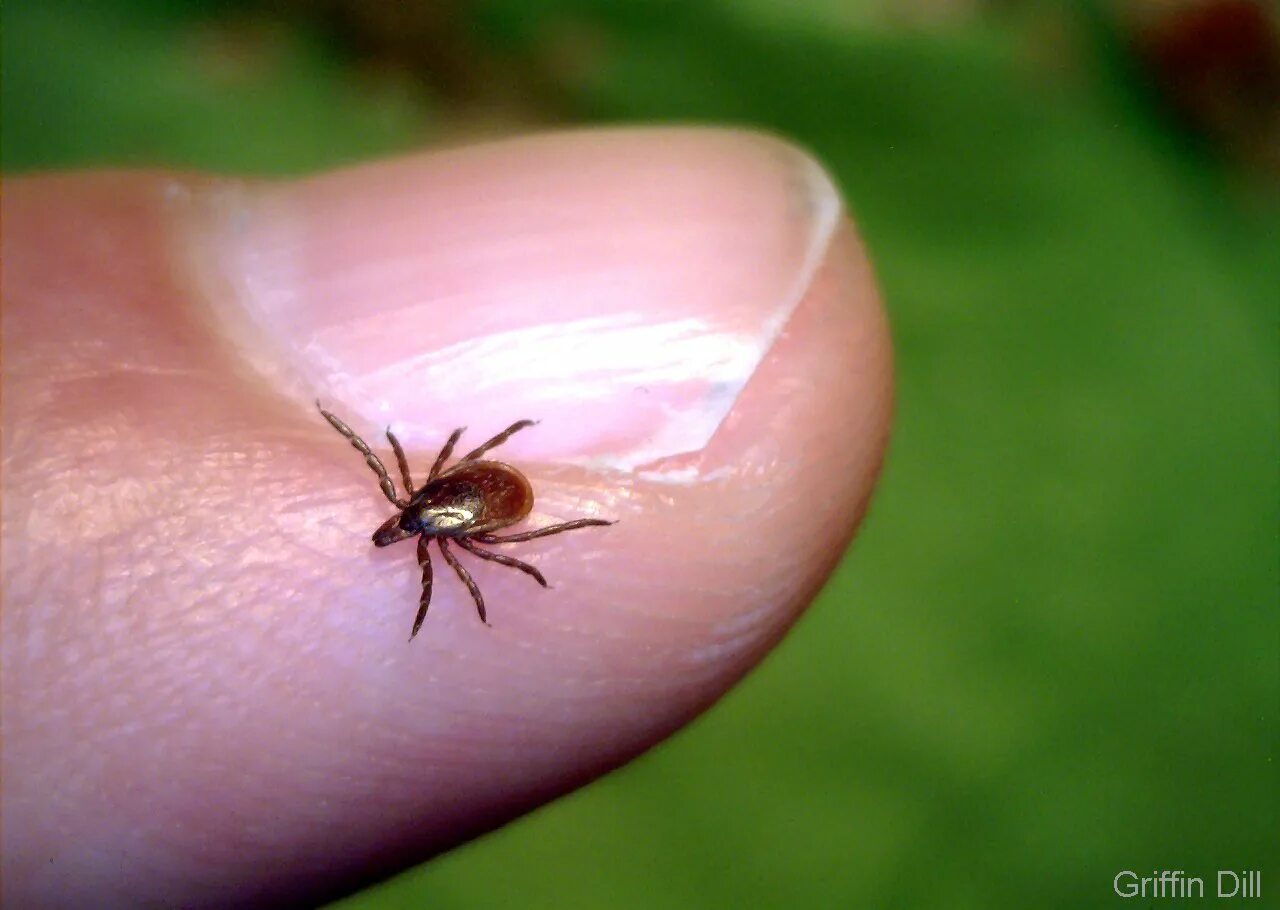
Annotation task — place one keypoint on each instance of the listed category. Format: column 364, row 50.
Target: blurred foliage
column 141, row 83
column 1055, row 652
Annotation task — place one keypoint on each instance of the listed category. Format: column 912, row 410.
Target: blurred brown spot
column 239, row 50
column 482, row 89
column 1217, row 64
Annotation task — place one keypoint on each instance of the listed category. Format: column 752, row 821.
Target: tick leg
column 424, row 560
column 445, row 453
column 498, row 440
column 542, row 532
column 402, row 461
column 465, row 576
column 384, row 479
column 502, row 560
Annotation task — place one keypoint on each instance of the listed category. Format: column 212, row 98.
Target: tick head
column 396, row 528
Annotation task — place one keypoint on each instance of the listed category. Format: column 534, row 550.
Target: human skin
column 209, row 694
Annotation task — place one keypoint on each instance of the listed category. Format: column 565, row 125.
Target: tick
column 463, row 504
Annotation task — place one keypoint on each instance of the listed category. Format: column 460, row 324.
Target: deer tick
column 463, row 504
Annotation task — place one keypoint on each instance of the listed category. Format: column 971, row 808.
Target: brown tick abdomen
column 508, row 497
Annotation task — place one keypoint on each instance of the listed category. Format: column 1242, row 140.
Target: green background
column 1054, row 652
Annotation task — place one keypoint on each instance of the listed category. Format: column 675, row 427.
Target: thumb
column 208, row 693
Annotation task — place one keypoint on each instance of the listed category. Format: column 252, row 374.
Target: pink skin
column 208, row 693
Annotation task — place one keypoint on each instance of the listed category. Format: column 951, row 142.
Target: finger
column 208, row 694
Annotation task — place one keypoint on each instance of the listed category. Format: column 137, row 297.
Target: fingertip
column 763, row 431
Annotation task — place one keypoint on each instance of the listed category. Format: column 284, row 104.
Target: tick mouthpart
column 391, row 532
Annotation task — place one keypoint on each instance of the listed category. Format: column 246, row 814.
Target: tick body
column 463, row 504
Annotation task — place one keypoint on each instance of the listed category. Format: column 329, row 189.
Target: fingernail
column 621, row 286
